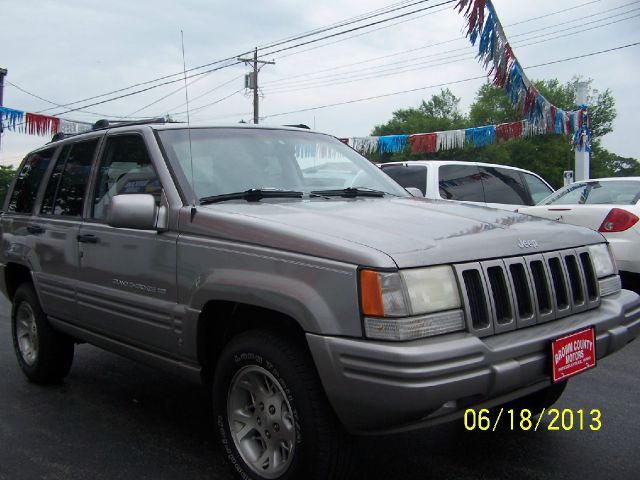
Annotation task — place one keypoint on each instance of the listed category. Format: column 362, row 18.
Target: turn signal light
column 371, row 294
column 618, row 220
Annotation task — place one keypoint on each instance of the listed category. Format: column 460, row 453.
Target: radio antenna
column 186, row 95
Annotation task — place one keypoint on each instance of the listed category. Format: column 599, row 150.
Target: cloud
column 65, row 51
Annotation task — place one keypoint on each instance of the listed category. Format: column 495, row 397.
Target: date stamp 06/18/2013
column 523, row 419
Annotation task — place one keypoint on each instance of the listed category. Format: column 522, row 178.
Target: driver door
column 127, row 287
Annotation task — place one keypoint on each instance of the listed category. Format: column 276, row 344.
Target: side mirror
column 415, row 192
column 138, row 211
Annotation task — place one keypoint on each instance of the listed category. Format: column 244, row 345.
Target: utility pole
column 251, row 80
column 3, row 73
column 582, row 157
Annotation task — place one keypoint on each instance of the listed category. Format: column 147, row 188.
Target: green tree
column 547, row 155
column 441, row 112
column 491, row 107
column 6, row 177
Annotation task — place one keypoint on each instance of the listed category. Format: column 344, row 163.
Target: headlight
column 602, row 260
column 416, row 295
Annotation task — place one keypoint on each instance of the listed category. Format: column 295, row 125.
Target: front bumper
column 382, row 387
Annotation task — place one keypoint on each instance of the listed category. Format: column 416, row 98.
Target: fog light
column 412, row 328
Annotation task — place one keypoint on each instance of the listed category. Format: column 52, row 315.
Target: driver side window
column 125, row 168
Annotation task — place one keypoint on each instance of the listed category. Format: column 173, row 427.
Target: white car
column 608, row 205
column 497, row 186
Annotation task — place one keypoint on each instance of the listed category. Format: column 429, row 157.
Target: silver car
column 311, row 292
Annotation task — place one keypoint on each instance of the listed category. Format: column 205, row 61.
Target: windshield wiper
column 348, row 193
column 251, row 195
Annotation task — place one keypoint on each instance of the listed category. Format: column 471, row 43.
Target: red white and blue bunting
column 495, row 53
column 35, row 124
column 448, row 140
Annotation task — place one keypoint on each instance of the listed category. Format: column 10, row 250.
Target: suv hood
column 411, row 232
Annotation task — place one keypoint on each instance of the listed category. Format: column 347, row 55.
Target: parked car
column 609, row 205
column 497, row 186
column 312, row 294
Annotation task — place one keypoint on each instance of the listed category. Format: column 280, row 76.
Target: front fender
column 320, row 294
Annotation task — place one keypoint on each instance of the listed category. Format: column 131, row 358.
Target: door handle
column 87, row 238
column 35, row 229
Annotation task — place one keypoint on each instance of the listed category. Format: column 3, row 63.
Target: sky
column 67, row 51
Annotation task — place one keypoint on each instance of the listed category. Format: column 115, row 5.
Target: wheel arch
column 15, row 274
column 222, row 320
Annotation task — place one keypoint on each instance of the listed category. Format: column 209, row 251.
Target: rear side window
column 408, row 175
column 537, row 188
column 502, row 185
column 461, row 182
column 68, row 182
column 125, row 168
column 24, row 194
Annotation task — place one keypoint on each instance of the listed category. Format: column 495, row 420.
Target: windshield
column 229, row 160
column 618, row 192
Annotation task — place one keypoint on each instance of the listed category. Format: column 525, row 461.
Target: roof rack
column 104, row 124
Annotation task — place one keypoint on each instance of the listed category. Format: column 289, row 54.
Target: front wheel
column 44, row 355
column 273, row 419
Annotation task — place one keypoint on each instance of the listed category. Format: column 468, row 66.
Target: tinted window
column 29, row 178
column 408, row 175
column 461, row 182
column 68, row 182
column 502, row 185
column 537, row 188
column 125, row 168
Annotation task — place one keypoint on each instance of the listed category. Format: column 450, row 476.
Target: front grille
column 516, row 292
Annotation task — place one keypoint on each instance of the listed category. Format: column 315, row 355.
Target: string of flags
column 36, row 124
column 494, row 52
column 456, row 139
column 496, row 55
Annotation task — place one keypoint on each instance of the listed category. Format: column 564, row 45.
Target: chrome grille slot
column 518, row 292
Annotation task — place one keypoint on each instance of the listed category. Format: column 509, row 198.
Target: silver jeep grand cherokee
column 314, row 295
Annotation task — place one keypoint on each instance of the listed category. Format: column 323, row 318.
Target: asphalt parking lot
column 115, row 419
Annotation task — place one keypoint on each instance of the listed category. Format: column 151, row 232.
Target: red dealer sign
column 573, row 354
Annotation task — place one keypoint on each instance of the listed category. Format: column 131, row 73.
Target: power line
column 198, row 68
column 344, row 23
column 446, row 83
column 382, row 70
column 148, row 88
column 290, row 80
column 205, row 94
column 49, row 101
column 212, row 103
column 147, row 83
column 359, row 27
column 416, row 18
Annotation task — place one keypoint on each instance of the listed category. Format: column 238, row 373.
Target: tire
column 271, row 383
column 44, row 355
